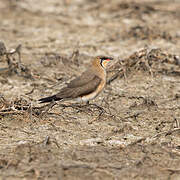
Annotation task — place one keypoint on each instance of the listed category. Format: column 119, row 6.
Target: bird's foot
column 49, row 106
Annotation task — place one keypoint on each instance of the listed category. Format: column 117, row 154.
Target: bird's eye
column 107, row 58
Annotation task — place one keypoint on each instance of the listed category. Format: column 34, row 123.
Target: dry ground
column 130, row 131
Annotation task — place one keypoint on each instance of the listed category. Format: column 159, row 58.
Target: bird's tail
column 49, row 99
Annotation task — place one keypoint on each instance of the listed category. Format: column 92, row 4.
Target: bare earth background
column 131, row 130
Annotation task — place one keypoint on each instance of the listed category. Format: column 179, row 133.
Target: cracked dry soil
column 131, row 130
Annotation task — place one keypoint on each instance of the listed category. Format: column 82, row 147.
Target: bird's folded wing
column 74, row 92
column 86, row 77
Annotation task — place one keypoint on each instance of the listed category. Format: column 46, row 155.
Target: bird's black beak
column 109, row 58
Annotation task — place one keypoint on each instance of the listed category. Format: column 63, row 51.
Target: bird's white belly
column 89, row 97
column 92, row 95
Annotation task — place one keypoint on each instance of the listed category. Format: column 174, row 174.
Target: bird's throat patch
column 104, row 63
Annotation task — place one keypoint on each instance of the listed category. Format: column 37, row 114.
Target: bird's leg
column 87, row 102
column 49, row 106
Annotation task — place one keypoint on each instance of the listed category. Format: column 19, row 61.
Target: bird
column 85, row 87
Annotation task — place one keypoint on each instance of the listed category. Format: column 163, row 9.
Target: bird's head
column 103, row 60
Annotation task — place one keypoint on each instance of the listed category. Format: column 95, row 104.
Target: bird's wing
column 85, row 77
column 74, row 92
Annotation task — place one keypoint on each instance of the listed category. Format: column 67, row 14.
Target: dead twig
column 11, row 112
column 15, row 63
column 30, row 111
column 176, row 123
column 48, row 107
column 28, row 93
column 166, row 132
column 114, row 77
column 2, row 48
column 137, row 141
column 75, row 57
column 70, row 166
column 47, row 140
column 172, row 171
